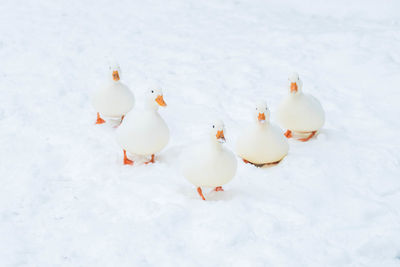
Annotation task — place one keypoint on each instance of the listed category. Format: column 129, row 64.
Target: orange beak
column 261, row 116
column 293, row 87
column 115, row 75
column 160, row 101
column 220, row 135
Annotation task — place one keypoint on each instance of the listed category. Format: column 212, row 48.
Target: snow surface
column 67, row 200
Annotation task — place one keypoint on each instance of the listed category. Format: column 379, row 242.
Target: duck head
column 115, row 72
column 217, row 131
column 262, row 113
column 295, row 84
column 155, row 98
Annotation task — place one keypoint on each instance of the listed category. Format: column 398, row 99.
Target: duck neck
column 151, row 106
column 296, row 95
column 215, row 144
column 263, row 125
column 111, row 80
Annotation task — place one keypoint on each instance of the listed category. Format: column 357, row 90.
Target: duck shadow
column 213, row 195
column 330, row 133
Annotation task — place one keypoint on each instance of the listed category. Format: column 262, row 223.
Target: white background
column 67, row 200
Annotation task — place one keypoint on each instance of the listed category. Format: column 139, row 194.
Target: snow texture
column 67, row 200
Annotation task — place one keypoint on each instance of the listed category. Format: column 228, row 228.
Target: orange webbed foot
column 219, row 188
column 126, row 160
column 288, row 134
column 150, row 161
column 99, row 119
column 246, row 161
column 200, row 193
column 309, row 137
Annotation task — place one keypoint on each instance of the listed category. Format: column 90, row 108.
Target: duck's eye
column 152, row 91
column 213, row 126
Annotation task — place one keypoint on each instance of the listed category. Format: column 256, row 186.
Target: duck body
column 301, row 113
column 262, row 144
column 143, row 132
column 209, row 165
column 113, row 100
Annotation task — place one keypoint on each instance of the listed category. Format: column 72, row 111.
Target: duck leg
column 309, row 137
column 219, row 188
column 200, row 192
column 99, row 119
column 150, row 161
column 288, row 134
column 126, row 160
column 122, row 118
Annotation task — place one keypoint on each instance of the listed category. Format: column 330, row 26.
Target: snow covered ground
column 67, row 200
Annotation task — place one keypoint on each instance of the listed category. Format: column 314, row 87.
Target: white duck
column 300, row 113
column 114, row 99
column 264, row 142
column 143, row 131
column 210, row 164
